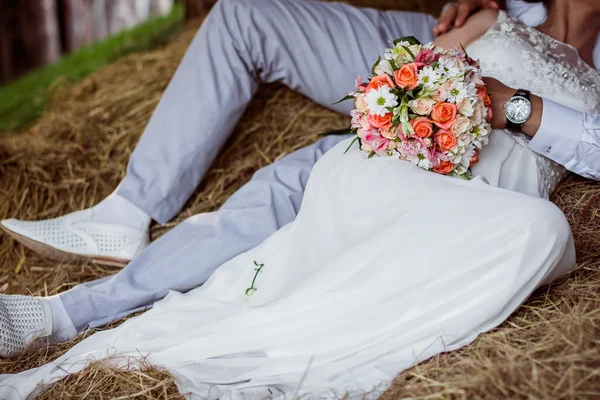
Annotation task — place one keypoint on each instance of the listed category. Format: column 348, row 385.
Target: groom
column 315, row 48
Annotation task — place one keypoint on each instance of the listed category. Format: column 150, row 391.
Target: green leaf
column 371, row 154
column 347, row 97
column 409, row 52
column 410, row 39
column 351, row 143
column 375, row 66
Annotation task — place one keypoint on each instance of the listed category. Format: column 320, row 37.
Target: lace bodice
column 522, row 57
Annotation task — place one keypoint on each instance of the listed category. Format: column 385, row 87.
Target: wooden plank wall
column 38, row 32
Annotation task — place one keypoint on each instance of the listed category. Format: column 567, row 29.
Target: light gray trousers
column 315, row 48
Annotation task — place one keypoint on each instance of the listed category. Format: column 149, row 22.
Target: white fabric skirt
column 385, row 266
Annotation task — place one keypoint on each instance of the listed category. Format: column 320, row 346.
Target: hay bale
column 77, row 153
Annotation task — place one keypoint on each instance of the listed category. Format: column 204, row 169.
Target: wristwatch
column 518, row 110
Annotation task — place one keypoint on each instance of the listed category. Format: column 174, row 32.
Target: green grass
column 23, row 100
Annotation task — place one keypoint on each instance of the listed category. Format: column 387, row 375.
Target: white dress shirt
column 569, row 137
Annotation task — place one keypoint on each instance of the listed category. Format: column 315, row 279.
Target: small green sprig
column 250, row 291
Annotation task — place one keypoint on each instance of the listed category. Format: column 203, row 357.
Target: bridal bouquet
column 424, row 105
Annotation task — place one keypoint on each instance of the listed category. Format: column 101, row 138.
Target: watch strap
column 511, row 125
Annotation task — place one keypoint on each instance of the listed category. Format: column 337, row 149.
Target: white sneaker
column 76, row 237
column 23, row 319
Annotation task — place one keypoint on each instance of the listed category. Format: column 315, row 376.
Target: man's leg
column 186, row 256
column 316, row 48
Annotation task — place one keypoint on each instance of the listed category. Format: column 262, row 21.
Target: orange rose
column 475, row 158
column 422, row 126
column 444, row 167
column 379, row 81
column 483, row 96
column 380, row 122
column 407, row 77
column 445, row 140
column 444, row 115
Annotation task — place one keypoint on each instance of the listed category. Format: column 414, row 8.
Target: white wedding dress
column 385, row 265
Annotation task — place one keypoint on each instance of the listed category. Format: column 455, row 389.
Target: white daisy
column 458, row 92
column 421, row 160
column 448, row 66
column 378, row 100
column 468, row 154
column 428, row 77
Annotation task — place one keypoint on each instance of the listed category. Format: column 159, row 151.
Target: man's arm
column 566, row 136
column 570, row 138
column 532, row 14
column 456, row 14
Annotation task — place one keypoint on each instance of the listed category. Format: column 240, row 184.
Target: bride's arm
column 475, row 27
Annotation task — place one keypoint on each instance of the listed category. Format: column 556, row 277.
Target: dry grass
column 77, row 153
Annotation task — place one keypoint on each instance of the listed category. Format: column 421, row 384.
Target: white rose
column 462, row 125
column 465, row 107
column 449, row 85
column 391, row 133
column 384, row 67
column 422, row 106
column 440, row 94
column 477, row 116
column 464, row 139
column 415, row 49
column 361, row 104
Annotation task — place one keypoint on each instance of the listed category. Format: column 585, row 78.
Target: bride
column 372, row 277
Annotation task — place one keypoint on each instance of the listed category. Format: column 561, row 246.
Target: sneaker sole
column 59, row 255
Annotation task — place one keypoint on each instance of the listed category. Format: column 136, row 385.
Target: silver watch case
column 513, row 101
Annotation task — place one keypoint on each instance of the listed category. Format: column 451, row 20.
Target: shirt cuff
column 559, row 133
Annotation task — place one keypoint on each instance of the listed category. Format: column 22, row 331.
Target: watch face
column 518, row 109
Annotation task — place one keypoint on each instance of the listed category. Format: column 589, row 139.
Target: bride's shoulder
column 475, row 27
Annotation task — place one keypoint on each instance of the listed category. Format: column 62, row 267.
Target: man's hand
column 499, row 94
column 457, row 13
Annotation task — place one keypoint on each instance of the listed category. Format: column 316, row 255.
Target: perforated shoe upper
column 22, row 320
column 77, row 233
